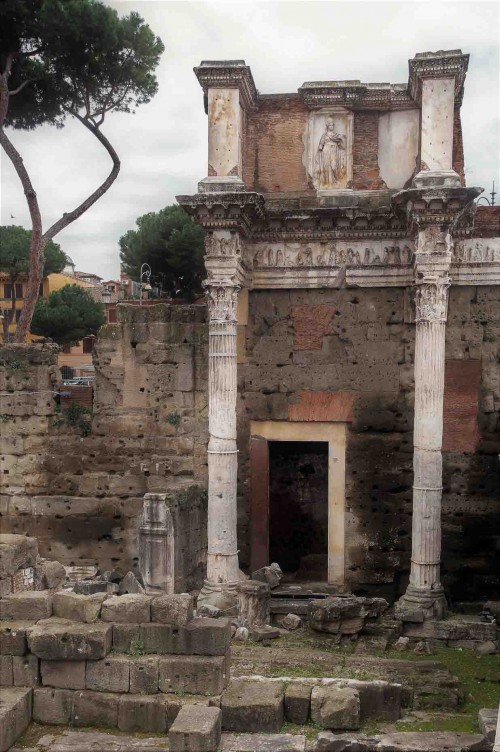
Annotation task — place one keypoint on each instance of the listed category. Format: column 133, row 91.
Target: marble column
column 425, row 596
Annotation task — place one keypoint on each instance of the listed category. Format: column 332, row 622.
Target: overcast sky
column 163, row 147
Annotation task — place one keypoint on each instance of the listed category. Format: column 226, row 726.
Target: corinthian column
column 222, row 555
column 425, row 593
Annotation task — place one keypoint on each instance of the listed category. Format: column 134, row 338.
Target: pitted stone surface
column 27, row 605
column 334, row 707
column 250, row 706
column 196, row 729
column 68, row 641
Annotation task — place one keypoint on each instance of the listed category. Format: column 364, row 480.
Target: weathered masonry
column 352, row 304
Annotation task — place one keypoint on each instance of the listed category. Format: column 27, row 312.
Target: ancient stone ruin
column 284, row 494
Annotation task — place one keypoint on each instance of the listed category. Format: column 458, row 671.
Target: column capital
column 441, row 64
column 431, row 297
column 236, row 211
column 227, row 74
column 222, row 300
column 440, row 206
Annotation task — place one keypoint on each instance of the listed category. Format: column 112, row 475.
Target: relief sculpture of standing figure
column 330, row 157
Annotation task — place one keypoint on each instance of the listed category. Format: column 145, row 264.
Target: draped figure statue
column 331, row 162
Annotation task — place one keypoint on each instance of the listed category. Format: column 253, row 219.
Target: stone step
column 15, row 714
column 126, row 712
column 411, row 741
column 196, row 729
column 263, row 743
column 95, row 741
column 62, row 640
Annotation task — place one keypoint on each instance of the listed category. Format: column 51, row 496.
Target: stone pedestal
column 156, row 545
column 254, row 601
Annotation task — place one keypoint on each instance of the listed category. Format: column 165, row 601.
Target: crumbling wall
column 77, row 481
column 304, row 345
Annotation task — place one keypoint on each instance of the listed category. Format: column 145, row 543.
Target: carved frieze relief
column 216, row 246
column 472, row 251
column 332, row 254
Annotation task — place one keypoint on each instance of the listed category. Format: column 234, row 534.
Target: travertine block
column 196, row 729
column 297, row 702
column 127, row 609
column 176, row 610
column 209, row 636
column 125, row 636
column 70, row 641
column 164, row 639
column 109, row 675
column 52, row 706
column 63, row 674
column 16, row 551
column 84, row 608
column 15, row 715
column 13, row 637
column 139, row 713
column 26, row 605
column 144, row 676
column 6, row 675
column 334, row 707
column 192, row 673
column 26, row 671
column 253, row 705
column 95, row 709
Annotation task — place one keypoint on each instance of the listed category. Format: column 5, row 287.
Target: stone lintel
column 355, row 95
column 228, row 74
column 440, row 64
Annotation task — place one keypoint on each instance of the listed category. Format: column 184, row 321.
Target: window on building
column 111, row 315
column 7, row 290
column 40, row 290
column 19, row 290
column 88, row 344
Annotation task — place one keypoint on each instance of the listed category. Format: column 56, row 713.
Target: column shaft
column 222, row 562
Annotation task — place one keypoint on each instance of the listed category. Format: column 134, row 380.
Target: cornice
column 452, row 206
column 228, row 74
column 356, row 95
column 441, row 64
column 238, row 211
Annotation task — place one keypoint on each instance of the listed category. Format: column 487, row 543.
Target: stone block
column 173, row 704
column 196, row 729
column 487, row 719
column 95, row 709
column 334, row 707
column 176, row 610
column 125, row 636
column 6, row 675
column 5, row 586
column 109, row 675
column 13, row 637
column 26, row 671
column 263, row 743
column 52, row 706
column 49, row 574
column 139, row 713
column 194, row 674
column 250, row 706
column 127, row 609
column 15, row 715
column 297, row 702
column 16, row 552
column 26, row 605
column 164, row 639
column 63, row 674
column 344, row 614
column 379, row 700
column 56, row 641
column 209, row 636
column 144, row 676
column 84, row 608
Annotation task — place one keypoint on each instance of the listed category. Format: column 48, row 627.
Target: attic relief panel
column 328, row 149
column 334, row 254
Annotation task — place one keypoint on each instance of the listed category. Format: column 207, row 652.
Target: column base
column 226, row 184
column 421, row 604
column 221, row 595
column 437, row 179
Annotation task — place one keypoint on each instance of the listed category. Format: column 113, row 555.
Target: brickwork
column 272, row 158
column 487, row 222
column 363, row 358
column 366, row 174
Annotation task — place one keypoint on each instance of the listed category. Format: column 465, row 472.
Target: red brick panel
column 273, row 147
column 366, row 173
column 461, row 394
column 487, row 222
column 310, row 324
column 323, row 407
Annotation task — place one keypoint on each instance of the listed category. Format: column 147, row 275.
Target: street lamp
column 144, row 277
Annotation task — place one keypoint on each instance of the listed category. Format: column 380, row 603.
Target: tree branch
column 21, row 86
column 70, row 217
column 37, row 243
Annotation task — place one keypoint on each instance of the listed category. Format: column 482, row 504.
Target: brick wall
column 366, row 174
column 359, row 363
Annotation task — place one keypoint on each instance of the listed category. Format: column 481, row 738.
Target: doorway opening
column 298, row 509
